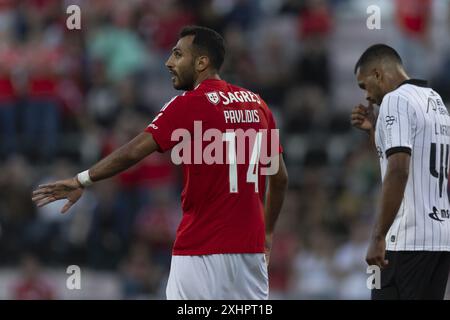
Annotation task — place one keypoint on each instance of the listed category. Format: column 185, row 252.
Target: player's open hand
column 363, row 117
column 376, row 252
column 69, row 189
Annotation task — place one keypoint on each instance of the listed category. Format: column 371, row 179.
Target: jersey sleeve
column 398, row 120
column 173, row 116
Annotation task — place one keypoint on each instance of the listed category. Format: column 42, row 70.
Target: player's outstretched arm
column 124, row 157
column 119, row 160
column 276, row 191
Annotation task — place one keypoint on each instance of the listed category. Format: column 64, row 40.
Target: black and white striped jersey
column 414, row 119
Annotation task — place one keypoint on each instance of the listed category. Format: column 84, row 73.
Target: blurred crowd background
column 69, row 97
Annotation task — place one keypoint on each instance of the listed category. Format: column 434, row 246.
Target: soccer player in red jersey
column 225, row 137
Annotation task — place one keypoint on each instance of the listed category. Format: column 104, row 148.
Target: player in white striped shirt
column 411, row 236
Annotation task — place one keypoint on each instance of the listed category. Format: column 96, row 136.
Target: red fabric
column 152, row 170
column 413, row 15
column 43, row 87
column 6, row 5
column 7, row 92
column 315, row 22
column 166, row 29
column 44, row 4
column 281, row 261
column 155, row 226
column 214, row 219
column 36, row 289
column 10, row 57
column 44, row 63
column 70, row 96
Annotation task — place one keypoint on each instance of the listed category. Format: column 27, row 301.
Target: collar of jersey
column 206, row 81
column 416, row 82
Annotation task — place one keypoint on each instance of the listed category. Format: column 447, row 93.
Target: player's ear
column 378, row 75
column 201, row 63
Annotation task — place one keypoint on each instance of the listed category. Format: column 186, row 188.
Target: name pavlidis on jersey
column 232, row 147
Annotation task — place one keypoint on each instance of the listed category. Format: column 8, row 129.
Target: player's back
column 222, row 199
column 414, row 116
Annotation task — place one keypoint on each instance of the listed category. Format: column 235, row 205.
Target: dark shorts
column 414, row 275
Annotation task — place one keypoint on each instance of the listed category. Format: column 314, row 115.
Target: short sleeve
column 173, row 116
column 397, row 121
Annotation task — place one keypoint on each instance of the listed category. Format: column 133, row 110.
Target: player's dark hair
column 208, row 42
column 377, row 52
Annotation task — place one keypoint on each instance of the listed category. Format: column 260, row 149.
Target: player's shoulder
column 220, row 92
column 180, row 101
column 237, row 88
column 398, row 101
column 173, row 102
column 411, row 90
column 199, row 93
column 395, row 97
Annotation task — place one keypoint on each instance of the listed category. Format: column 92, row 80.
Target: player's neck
column 207, row 75
column 399, row 77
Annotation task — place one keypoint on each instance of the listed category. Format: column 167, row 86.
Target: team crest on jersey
column 390, row 120
column 213, row 97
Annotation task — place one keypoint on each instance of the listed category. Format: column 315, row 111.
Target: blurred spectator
column 118, row 46
column 413, row 20
column 108, row 233
column 313, row 67
column 243, row 14
column 441, row 80
column 273, row 67
column 315, row 26
column 136, row 185
column 9, row 57
column 16, row 209
column 155, row 226
column 315, row 20
column 101, row 99
column 48, row 234
column 8, row 112
column 349, row 264
column 239, row 64
column 306, row 108
column 32, row 285
column 165, row 19
column 139, row 276
column 43, row 110
column 314, row 275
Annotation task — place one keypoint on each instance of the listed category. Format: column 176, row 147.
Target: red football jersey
column 223, row 193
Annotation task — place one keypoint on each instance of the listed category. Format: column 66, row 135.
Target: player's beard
column 186, row 79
